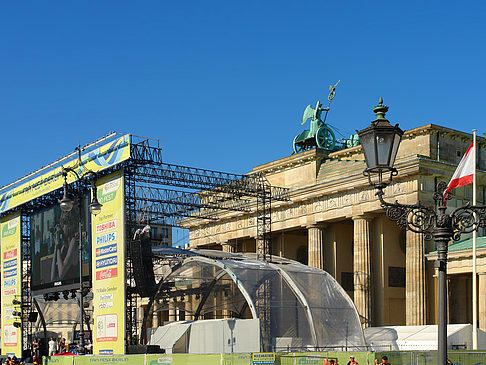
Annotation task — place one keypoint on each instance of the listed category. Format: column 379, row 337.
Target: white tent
column 210, row 336
column 406, row 338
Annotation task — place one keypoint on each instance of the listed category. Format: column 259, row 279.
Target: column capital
column 367, row 217
column 320, row 225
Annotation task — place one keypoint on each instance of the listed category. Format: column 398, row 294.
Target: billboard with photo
column 55, row 247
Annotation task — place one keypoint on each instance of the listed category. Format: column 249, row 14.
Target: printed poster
column 108, row 260
column 10, row 238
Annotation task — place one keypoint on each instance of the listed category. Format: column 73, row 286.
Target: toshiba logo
column 105, row 226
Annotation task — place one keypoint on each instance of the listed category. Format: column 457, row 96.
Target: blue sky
column 224, row 83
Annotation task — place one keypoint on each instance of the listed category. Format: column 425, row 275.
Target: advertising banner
column 96, row 160
column 108, row 267
column 10, row 238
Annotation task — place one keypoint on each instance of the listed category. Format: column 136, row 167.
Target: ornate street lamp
column 66, row 205
column 380, row 143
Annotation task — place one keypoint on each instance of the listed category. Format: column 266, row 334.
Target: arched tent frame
column 327, row 321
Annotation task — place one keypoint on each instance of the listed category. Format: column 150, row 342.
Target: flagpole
column 474, row 285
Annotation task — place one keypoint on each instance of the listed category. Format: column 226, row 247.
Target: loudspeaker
column 33, row 317
column 145, row 349
column 143, row 268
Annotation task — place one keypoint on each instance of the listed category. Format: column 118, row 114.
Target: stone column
column 228, row 247
column 226, row 313
column 172, row 312
column 362, row 268
column 316, row 246
column 482, row 301
column 155, row 315
column 415, row 279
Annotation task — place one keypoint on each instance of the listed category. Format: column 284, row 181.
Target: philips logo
column 102, row 251
column 10, row 263
column 105, row 238
column 10, row 282
column 107, row 262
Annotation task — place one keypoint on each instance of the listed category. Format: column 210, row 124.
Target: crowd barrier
column 298, row 358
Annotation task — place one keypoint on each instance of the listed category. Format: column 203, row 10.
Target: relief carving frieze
column 399, row 188
column 347, row 199
column 303, row 209
column 332, row 203
column 317, row 205
column 364, row 195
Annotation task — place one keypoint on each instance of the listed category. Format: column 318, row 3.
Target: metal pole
column 442, row 235
column 474, row 274
column 81, row 303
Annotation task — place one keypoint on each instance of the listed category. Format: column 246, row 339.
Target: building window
column 396, row 277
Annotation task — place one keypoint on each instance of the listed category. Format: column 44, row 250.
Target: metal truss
column 26, row 300
column 158, row 192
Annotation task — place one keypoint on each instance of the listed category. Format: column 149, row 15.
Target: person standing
column 35, row 347
column 351, row 361
column 384, row 360
column 52, row 347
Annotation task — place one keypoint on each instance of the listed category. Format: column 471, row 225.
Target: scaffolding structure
column 157, row 193
column 160, row 193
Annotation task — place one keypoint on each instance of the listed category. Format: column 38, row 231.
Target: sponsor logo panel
column 9, row 292
column 106, row 226
column 10, row 254
column 107, row 274
column 106, row 250
column 10, row 282
column 106, row 238
column 109, row 261
column 10, row 263
column 9, row 273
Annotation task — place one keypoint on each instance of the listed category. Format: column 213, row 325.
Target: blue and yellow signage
column 263, row 358
column 101, row 158
column 10, row 238
column 108, row 267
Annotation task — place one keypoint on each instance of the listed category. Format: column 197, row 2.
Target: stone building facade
column 334, row 221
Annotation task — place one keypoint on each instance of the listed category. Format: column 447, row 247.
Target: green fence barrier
column 297, row 358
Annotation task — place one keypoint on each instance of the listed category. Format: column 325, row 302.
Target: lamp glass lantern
column 66, row 204
column 95, row 206
column 380, row 142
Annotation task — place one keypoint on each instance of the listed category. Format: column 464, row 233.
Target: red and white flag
column 464, row 173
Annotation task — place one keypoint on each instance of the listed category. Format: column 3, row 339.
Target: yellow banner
column 11, row 229
column 99, row 159
column 108, row 267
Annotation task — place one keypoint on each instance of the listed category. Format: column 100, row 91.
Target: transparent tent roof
column 299, row 307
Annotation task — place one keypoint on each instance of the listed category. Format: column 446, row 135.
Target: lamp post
column 380, row 143
column 66, row 205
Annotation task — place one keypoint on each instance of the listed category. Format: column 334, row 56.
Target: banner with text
column 11, row 229
column 108, row 260
column 99, row 159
